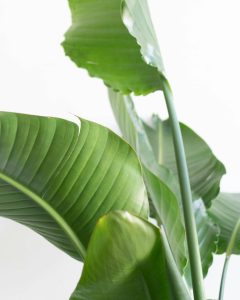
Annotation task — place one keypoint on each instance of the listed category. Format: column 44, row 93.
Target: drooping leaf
column 58, row 177
column 160, row 183
column 126, row 260
column 208, row 234
column 99, row 41
column 225, row 212
column 205, row 170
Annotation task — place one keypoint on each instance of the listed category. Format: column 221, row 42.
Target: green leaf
column 126, row 260
column 225, row 212
column 99, row 41
column 169, row 215
column 178, row 288
column 205, row 170
column 160, row 183
column 59, row 178
column 208, row 234
column 136, row 17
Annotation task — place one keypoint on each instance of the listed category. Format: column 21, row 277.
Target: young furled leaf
column 126, row 259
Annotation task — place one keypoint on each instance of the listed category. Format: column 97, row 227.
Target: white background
column 200, row 45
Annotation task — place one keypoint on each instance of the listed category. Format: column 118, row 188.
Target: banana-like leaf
column 59, row 178
column 208, row 234
column 169, row 215
column 126, row 260
column 160, row 183
column 100, row 42
column 205, row 170
column 225, row 212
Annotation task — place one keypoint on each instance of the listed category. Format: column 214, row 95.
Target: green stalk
column 191, row 232
column 227, row 259
column 223, row 279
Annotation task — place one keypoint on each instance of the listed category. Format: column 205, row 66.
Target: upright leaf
column 169, row 215
column 205, row 170
column 160, row 183
column 99, row 41
column 59, row 178
column 225, row 212
column 126, row 260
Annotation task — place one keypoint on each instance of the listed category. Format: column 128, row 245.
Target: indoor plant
column 151, row 169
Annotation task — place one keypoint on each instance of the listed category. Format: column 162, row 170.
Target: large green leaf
column 126, row 260
column 225, row 212
column 159, row 181
column 99, row 41
column 208, row 234
column 59, row 178
column 205, row 170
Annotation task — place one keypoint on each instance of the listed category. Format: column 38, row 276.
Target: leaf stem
column 227, row 259
column 223, row 279
column 191, row 232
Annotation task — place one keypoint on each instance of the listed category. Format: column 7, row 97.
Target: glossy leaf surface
column 59, row 178
column 125, row 260
column 100, row 42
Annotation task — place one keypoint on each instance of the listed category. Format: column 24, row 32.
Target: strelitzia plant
column 143, row 213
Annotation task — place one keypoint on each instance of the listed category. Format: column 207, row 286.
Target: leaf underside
column 100, row 42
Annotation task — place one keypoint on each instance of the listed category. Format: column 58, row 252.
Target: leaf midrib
column 50, row 210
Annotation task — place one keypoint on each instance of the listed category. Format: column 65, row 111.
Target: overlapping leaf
column 126, row 260
column 160, row 183
column 154, row 146
column 100, row 42
column 225, row 212
column 205, row 170
column 58, row 177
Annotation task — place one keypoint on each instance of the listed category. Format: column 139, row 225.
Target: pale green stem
column 190, row 225
column 223, row 279
column 227, row 259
